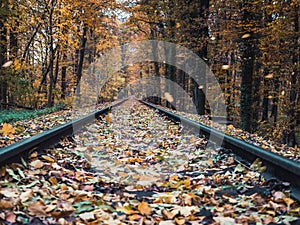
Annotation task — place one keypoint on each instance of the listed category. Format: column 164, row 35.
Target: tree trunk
column 81, row 58
column 52, row 55
column 63, row 77
column 246, row 99
column 291, row 135
column 3, row 49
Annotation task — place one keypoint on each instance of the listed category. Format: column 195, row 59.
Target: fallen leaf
column 180, row 221
column 6, row 204
column 288, row 202
column 127, row 210
column 87, row 216
column 144, row 208
column 167, row 214
column 108, row 118
column 278, row 196
column 10, row 217
column 53, row 180
column 49, row 159
column 134, row 217
column 7, row 129
column 26, row 195
column 9, row 193
column 36, row 209
column 37, row 164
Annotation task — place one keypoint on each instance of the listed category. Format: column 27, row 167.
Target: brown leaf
column 144, row 208
column 167, row 214
column 36, row 209
column 6, row 204
column 180, row 221
column 53, row 180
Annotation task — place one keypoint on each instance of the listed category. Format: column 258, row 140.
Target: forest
column 251, row 46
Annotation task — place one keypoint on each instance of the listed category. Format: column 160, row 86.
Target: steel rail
column 14, row 152
column 279, row 167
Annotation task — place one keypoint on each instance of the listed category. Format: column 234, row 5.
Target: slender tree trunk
column 52, row 55
column 63, row 77
column 203, row 53
column 3, row 49
column 81, row 58
column 156, row 65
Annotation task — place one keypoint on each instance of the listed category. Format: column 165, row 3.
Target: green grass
column 8, row 116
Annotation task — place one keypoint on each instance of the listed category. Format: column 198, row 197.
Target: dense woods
column 252, row 47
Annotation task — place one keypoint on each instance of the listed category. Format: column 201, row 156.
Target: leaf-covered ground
column 22, row 129
column 135, row 167
column 267, row 144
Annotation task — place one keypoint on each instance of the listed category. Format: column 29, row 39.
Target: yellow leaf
column 49, row 159
column 230, row 126
column 288, row 202
column 7, row 129
column 174, row 177
column 144, row 208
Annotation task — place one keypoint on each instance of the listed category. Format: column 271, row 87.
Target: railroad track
column 18, row 150
column 148, row 187
column 277, row 166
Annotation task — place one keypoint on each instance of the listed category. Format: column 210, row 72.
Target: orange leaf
column 53, row 180
column 134, row 217
column 108, row 118
column 144, row 208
